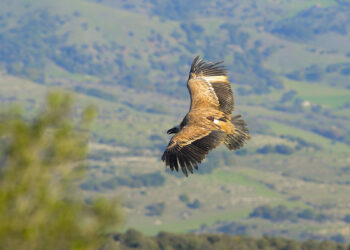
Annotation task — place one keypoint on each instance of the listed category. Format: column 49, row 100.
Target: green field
column 322, row 95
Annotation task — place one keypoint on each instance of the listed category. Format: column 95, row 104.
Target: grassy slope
column 237, row 188
column 323, row 95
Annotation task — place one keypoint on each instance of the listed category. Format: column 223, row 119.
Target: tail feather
column 240, row 134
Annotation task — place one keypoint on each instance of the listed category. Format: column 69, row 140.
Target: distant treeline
column 133, row 239
column 314, row 21
column 26, row 49
column 155, row 179
column 282, row 213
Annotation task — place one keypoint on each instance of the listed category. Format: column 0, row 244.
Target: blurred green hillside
column 289, row 64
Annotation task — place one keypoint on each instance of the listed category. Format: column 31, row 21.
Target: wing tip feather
column 188, row 156
column 201, row 67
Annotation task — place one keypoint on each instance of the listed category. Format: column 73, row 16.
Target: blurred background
column 289, row 65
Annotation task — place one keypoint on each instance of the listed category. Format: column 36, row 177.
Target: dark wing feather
column 201, row 68
column 240, row 134
column 224, row 93
column 191, row 152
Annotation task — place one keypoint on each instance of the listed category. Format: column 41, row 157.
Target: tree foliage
column 155, row 179
column 133, row 239
column 156, row 209
column 282, row 213
column 312, row 22
column 39, row 160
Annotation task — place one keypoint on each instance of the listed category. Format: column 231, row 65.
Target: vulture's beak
column 173, row 130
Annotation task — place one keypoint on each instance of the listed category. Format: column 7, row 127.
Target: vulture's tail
column 240, row 134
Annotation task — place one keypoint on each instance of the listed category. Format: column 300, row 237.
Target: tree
column 39, row 160
column 347, row 218
column 184, row 198
column 155, row 209
column 194, row 205
column 283, row 149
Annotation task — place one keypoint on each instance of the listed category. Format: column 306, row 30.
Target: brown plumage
column 209, row 122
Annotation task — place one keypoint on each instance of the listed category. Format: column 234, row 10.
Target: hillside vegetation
column 133, row 239
column 289, row 64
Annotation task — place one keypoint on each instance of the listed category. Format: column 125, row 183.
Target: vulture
column 208, row 122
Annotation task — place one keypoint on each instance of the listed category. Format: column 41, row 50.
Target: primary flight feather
column 208, row 122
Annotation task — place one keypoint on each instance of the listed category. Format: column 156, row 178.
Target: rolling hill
column 289, row 64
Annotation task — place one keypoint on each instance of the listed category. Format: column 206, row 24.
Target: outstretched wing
column 190, row 146
column 209, row 87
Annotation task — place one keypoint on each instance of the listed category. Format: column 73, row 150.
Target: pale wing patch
column 216, row 79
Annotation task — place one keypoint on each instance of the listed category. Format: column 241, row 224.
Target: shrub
column 347, row 218
column 155, row 179
column 267, row 149
column 156, row 209
column 194, row 205
column 283, row 149
column 39, row 158
column 184, row 198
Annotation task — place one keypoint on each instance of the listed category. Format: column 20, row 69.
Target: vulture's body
column 209, row 122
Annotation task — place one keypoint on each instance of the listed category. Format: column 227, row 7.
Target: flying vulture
column 208, row 122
